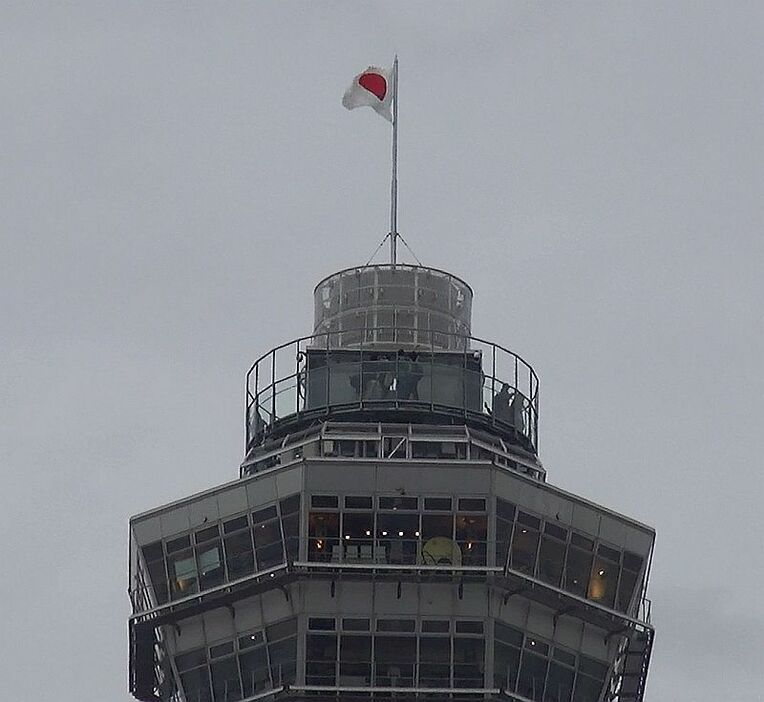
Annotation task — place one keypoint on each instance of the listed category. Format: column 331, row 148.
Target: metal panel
column 175, row 521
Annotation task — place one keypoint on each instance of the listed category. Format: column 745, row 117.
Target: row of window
column 390, row 447
column 448, row 531
column 225, row 551
column 543, row 672
column 235, row 669
column 565, row 558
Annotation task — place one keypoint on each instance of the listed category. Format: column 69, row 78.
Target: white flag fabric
column 372, row 88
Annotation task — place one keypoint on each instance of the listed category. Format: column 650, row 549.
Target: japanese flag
column 372, row 88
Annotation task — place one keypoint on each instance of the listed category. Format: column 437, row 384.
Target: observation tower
column 392, row 534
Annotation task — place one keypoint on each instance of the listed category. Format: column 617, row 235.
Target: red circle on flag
column 374, row 83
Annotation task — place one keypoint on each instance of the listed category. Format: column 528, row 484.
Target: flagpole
column 394, row 181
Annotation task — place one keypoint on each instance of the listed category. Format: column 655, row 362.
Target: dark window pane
column 559, row 683
column 283, row 656
column 532, row 676
column 321, row 623
column 192, row 659
column 581, row 542
column 438, row 626
column 407, row 503
column 153, row 552
column 626, row 589
column 472, row 504
column 290, row 505
column 603, row 582
column 508, row 634
column 281, row 630
column 178, row 544
column 235, row 524
column 396, row 625
column 324, row 501
column 358, row 502
column 438, row 503
column 323, row 532
column 250, row 640
column 591, row 667
column 551, row 560
column 207, row 534
column 506, row 665
column 255, row 674
column 267, row 533
column 226, row 684
column 577, row 570
column 587, row 689
column 355, row 624
column 263, row 515
column 321, row 659
column 503, row 534
column 394, row 661
column 556, row 531
column 610, row 553
column 505, row 510
column 435, row 662
column 183, row 575
column 196, row 685
column 291, row 527
column 468, row 662
column 528, row 520
column 524, row 545
column 565, row 657
column 469, row 627
column 239, row 557
column 632, row 561
column 472, row 537
column 538, row 647
column 355, row 660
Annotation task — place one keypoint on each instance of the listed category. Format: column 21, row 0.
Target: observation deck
column 392, row 343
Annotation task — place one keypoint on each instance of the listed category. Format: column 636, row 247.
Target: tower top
column 357, row 305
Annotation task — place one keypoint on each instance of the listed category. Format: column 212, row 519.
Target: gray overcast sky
column 177, row 176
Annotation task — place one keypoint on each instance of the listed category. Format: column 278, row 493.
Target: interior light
column 368, row 533
column 384, row 533
column 602, row 572
column 416, row 533
column 533, row 643
column 525, row 531
column 400, row 533
column 347, row 537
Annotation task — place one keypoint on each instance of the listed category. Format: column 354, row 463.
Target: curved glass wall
column 315, row 376
column 361, row 305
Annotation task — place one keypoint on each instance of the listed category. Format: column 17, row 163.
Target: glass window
column 268, row 547
column 505, row 516
column 437, row 626
column 394, row 661
column 468, row 627
column 323, row 533
column 438, row 503
column 290, row 505
column 239, row 556
column 357, row 502
column 604, row 577
column 434, row 661
column 532, row 675
column 468, row 661
column 210, row 560
column 183, row 576
column 283, row 656
column 237, row 524
column 524, row 545
column 355, row 624
column 321, row 659
column 263, row 515
column 396, row 625
column 551, row 560
column 321, row 624
column 255, row 674
column 178, row 544
column 577, row 570
column 281, row 630
column 226, row 684
column 153, row 552
column 290, row 524
column 324, row 501
column 203, row 535
column 192, row 659
column 506, row 665
column 472, row 504
column 472, row 537
column 196, row 684
column 397, row 538
column 355, row 659
column 250, row 640
column 559, row 683
column 626, row 589
column 407, row 503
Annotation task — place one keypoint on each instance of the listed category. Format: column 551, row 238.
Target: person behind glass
column 501, row 402
column 409, row 375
